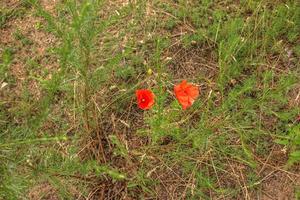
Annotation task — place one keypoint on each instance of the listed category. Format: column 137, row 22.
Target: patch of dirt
column 8, row 3
column 173, row 184
column 277, row 185
column 189, row 63
column 38, row 41
column 43, row 191
column 49, row 5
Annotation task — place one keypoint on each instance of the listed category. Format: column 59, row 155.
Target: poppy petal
column 145, row 99
column 193, row 92
column 186, row 94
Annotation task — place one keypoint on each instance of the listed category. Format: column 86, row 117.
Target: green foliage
column 6, row 59
column 77, row 31
column 297, row 193
column 120, row 149
column 102, row 169
column 104, row 51
column 292, row 142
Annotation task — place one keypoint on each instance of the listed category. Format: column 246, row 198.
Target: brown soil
column 278, row 185
column 43, row 191
column 39, row 42
column 192, row 62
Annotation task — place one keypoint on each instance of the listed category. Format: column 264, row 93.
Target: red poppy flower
column 145, row 99
column 186, row 94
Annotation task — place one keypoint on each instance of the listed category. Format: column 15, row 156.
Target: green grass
column 80, row 131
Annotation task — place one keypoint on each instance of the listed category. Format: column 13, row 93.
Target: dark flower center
column 185, row 92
